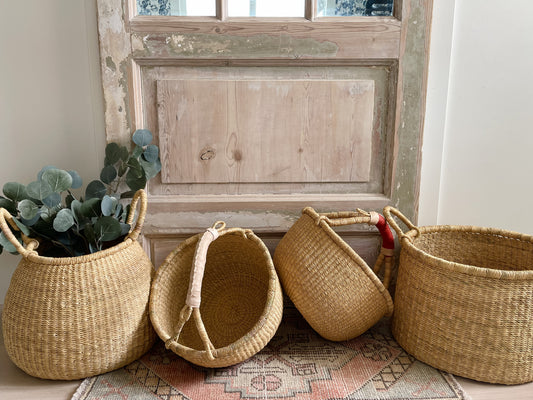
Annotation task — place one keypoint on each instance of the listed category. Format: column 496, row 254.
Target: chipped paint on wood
column 412, row 84
column 115, row 58
column 198, row 221
column 229, row 46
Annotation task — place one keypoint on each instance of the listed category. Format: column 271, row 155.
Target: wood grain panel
column 294, row 38
column 257, row 131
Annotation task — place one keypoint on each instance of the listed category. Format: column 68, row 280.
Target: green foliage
column 67, row 224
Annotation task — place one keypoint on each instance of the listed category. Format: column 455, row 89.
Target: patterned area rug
column 297, row 364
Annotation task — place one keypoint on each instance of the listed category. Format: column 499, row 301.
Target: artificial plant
column 67, row 225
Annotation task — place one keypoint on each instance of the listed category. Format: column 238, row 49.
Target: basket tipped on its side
column 216, row 299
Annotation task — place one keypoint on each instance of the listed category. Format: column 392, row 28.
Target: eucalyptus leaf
column 91, row 208
column 28, row 209
column 108, row 205
column 76, row 180
column 58, row 179
column 39, row 190
column 9, row 205
column 63, row 220
column 112, row 153
column 47, row 214
column 107, row 228
column 125, row 228
column 124, row 153
column 135, row 167
column 108, row 174
column 6, row 244
column 23, row 228
column 68, row 200
column 151, row 169
column 142, row 137
column 43, row 170
column 75, row 206
column 95, row 189
column 134, row 182
column 53, row 200
column 118, row 211
column 88, row 232
column 151, row 153
column 122, row 169
column 15, row 191
column 32, row 221
column 137, row 151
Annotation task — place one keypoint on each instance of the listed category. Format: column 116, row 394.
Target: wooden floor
column 16, row 385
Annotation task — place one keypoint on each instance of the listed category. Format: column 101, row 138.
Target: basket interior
column 484, row 250
column 234, row 291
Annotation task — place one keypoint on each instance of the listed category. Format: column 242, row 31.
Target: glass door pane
column 192, row 8
column 266, row 8
column 349, row 8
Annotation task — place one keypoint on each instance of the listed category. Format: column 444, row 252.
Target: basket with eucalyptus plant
column 77, row 304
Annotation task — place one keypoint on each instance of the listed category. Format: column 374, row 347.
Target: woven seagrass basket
column 464, row 300
column 70, row 318
column 226, row 315
column 329, row 283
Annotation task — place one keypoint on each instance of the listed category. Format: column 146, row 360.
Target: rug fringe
column 84, row 388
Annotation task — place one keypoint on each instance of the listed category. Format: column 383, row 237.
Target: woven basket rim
column 35, row 258
column 273, row 286
column 467, row 269
column 353, row 255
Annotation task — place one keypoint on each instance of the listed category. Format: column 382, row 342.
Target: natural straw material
column 464, row 300
column 241, row 301
column 331, row 285
column 69, row 318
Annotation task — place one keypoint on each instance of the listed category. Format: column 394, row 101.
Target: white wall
column 487, row 169
column 51, row 102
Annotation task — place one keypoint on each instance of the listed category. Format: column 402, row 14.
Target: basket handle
column 386, row 254
column 344, row 218
column 193, row 300
column 389, row 212
column 31, row 244
column 140, row 195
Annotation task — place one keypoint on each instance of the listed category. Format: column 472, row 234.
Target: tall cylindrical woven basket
column 216, row 300
column 70, row 318
column 464, row 300
column 329, row 283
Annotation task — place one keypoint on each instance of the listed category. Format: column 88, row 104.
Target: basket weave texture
column 241, row 300
column 464, row 300
column 70, row 318
column 331, row 285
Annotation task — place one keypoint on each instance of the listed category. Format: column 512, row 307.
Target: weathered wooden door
column 259, row 117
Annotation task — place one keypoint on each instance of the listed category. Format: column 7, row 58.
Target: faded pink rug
column 297, row 364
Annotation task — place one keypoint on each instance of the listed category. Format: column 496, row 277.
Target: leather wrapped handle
column 389, row 212
column 193, row 300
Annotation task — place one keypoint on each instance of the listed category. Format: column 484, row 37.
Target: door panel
column 261, row 131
